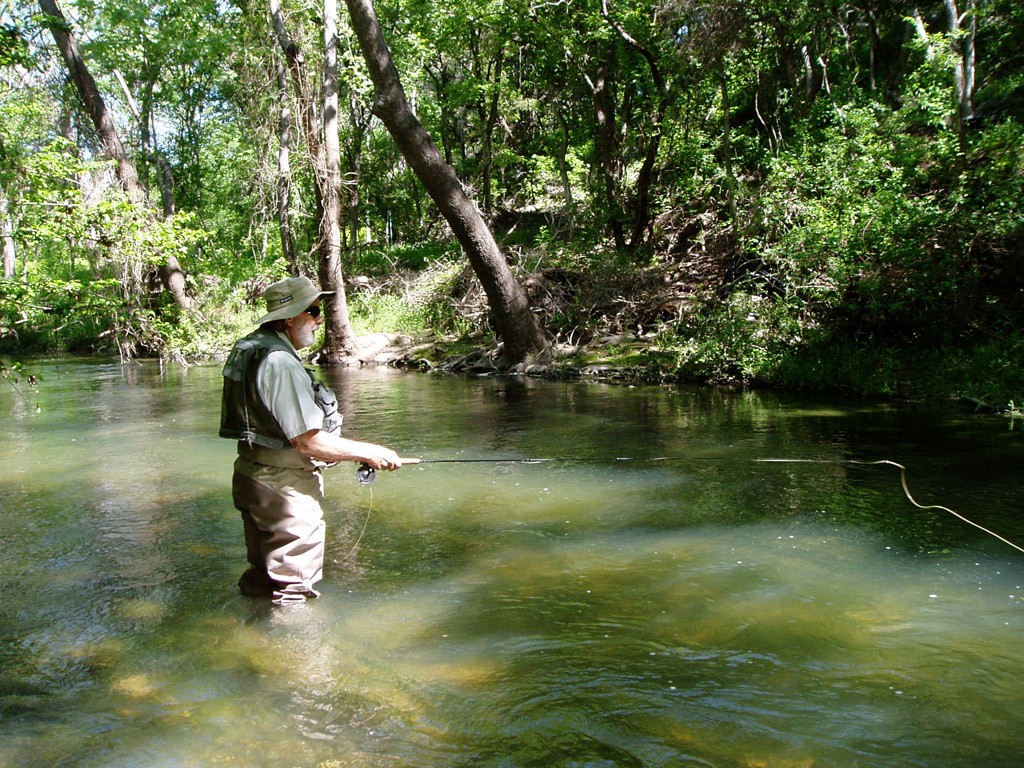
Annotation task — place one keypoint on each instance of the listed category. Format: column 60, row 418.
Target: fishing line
column 366, row 522
column 366, row 474
column 906, row 489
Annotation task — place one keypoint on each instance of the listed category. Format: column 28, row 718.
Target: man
column 288, row 428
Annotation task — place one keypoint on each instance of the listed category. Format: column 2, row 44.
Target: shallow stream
column 707, row 610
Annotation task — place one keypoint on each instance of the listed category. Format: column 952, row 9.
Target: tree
column 284, row 169
column 645, row 178
column 514, row 322
column 339, row 338
column 171, row 273
column 13, row 50
column 622, row 53
column 7, row 236
column 961, row 32
column 322, row 143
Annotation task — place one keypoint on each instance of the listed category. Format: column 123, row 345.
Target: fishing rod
column 366, row 474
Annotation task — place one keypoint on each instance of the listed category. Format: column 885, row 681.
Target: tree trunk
column 339, row 339
column 440, row 80
column 487, row 113
column 166, row 183
column 146, row 126
column 645, row 179
column 284, row 171
column 324, row 152
column 300, row 79
column 730, row 175
column 962, row 45
column 308, row 121
column 606, row 145
column 164, row 171
column 174, row 279
column 7, row 236
column 517, row 326
column 563, row 167
column 94, row 104
column 360, row 120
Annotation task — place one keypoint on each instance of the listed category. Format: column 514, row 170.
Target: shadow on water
column 708, row 611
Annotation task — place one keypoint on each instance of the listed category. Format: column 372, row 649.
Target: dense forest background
column 820, row 195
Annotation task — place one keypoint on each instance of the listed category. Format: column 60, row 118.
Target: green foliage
column 420, row 300
column 385, row 313
column 986, row 374
column 415, row 256
column 13, row 46
column 992, row 190
column 88, row 259
column 226, row 210
column 223, row 313
column 53, row 315
column 745, row 338
column 856, row 223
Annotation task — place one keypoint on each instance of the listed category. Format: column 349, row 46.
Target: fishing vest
column 246, row 418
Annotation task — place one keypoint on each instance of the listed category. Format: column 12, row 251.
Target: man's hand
column 323, row 446
column 384, row 458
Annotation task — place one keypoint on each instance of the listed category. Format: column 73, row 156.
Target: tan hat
column 289, row 298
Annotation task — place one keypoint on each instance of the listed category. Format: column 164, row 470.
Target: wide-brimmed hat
column 289, row 298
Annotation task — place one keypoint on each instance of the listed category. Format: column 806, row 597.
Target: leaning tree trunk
column 94, row 104
column 171, row 273
column 517, row 326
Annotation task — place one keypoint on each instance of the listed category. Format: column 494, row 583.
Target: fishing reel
column 365, row 474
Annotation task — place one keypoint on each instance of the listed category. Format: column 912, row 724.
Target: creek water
column 710, row 610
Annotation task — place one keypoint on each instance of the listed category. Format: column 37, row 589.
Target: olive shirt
column 284, row 386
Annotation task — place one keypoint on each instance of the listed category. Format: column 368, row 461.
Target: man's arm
column 323, row 446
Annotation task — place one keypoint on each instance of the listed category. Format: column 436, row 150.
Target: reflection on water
column 707, row 611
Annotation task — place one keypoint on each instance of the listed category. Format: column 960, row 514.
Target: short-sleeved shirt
column 285, row 387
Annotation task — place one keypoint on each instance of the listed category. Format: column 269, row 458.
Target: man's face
column 301, row 329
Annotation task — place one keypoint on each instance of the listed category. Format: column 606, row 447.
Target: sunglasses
column 313, row 311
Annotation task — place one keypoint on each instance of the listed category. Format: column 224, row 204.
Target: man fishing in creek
column 288, row 429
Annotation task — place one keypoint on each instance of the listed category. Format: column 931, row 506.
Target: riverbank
column 963, row 381
column 662, row 323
